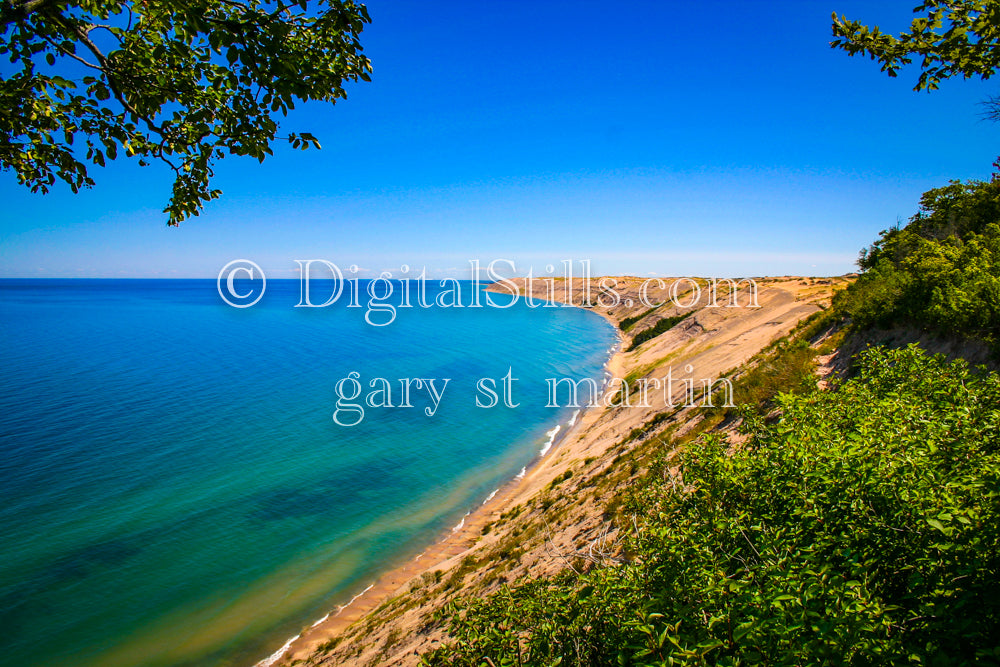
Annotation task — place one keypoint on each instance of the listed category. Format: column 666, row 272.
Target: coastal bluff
column 686, row 342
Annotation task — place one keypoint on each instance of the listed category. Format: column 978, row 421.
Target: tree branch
column 59, row 47
column 108, row 70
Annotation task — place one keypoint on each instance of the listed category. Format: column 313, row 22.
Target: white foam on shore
column 460, row 523
column 276, row 656
column 552, row 437
column 345, row 606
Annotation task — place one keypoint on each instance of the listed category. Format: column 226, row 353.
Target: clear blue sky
column 712, row 138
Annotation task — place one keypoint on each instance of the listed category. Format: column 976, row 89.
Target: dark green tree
column 182, row 82
column 939, row 272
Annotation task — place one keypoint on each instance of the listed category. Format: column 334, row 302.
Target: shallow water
column 175, row 491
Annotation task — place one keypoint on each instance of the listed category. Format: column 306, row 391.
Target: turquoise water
column 173, row 487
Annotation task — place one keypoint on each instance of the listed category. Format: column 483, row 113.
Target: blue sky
column 715, row 138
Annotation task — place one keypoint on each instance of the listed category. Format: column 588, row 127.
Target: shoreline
column 458, row 541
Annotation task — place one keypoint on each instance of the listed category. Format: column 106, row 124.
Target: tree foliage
column 183, row 82
column 950, row 38
column 862, row 528
column 941, row 271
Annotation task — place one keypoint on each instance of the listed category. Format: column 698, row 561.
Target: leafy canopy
column 951, row 38
column 941, row 271
column 182, row 82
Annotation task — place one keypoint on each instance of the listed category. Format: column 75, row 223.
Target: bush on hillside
column 862, row 528
column 941, row 271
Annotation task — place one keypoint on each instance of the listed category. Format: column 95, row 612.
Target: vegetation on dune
column 629, row 322
column 661, row 326
column 861, row 528
column 940, row 272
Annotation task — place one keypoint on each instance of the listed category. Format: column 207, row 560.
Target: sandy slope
column 544, row 523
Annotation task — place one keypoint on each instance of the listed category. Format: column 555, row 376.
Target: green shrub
column 661, row 326
column 629, row 322
column 941, row 271
column 862, row 528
